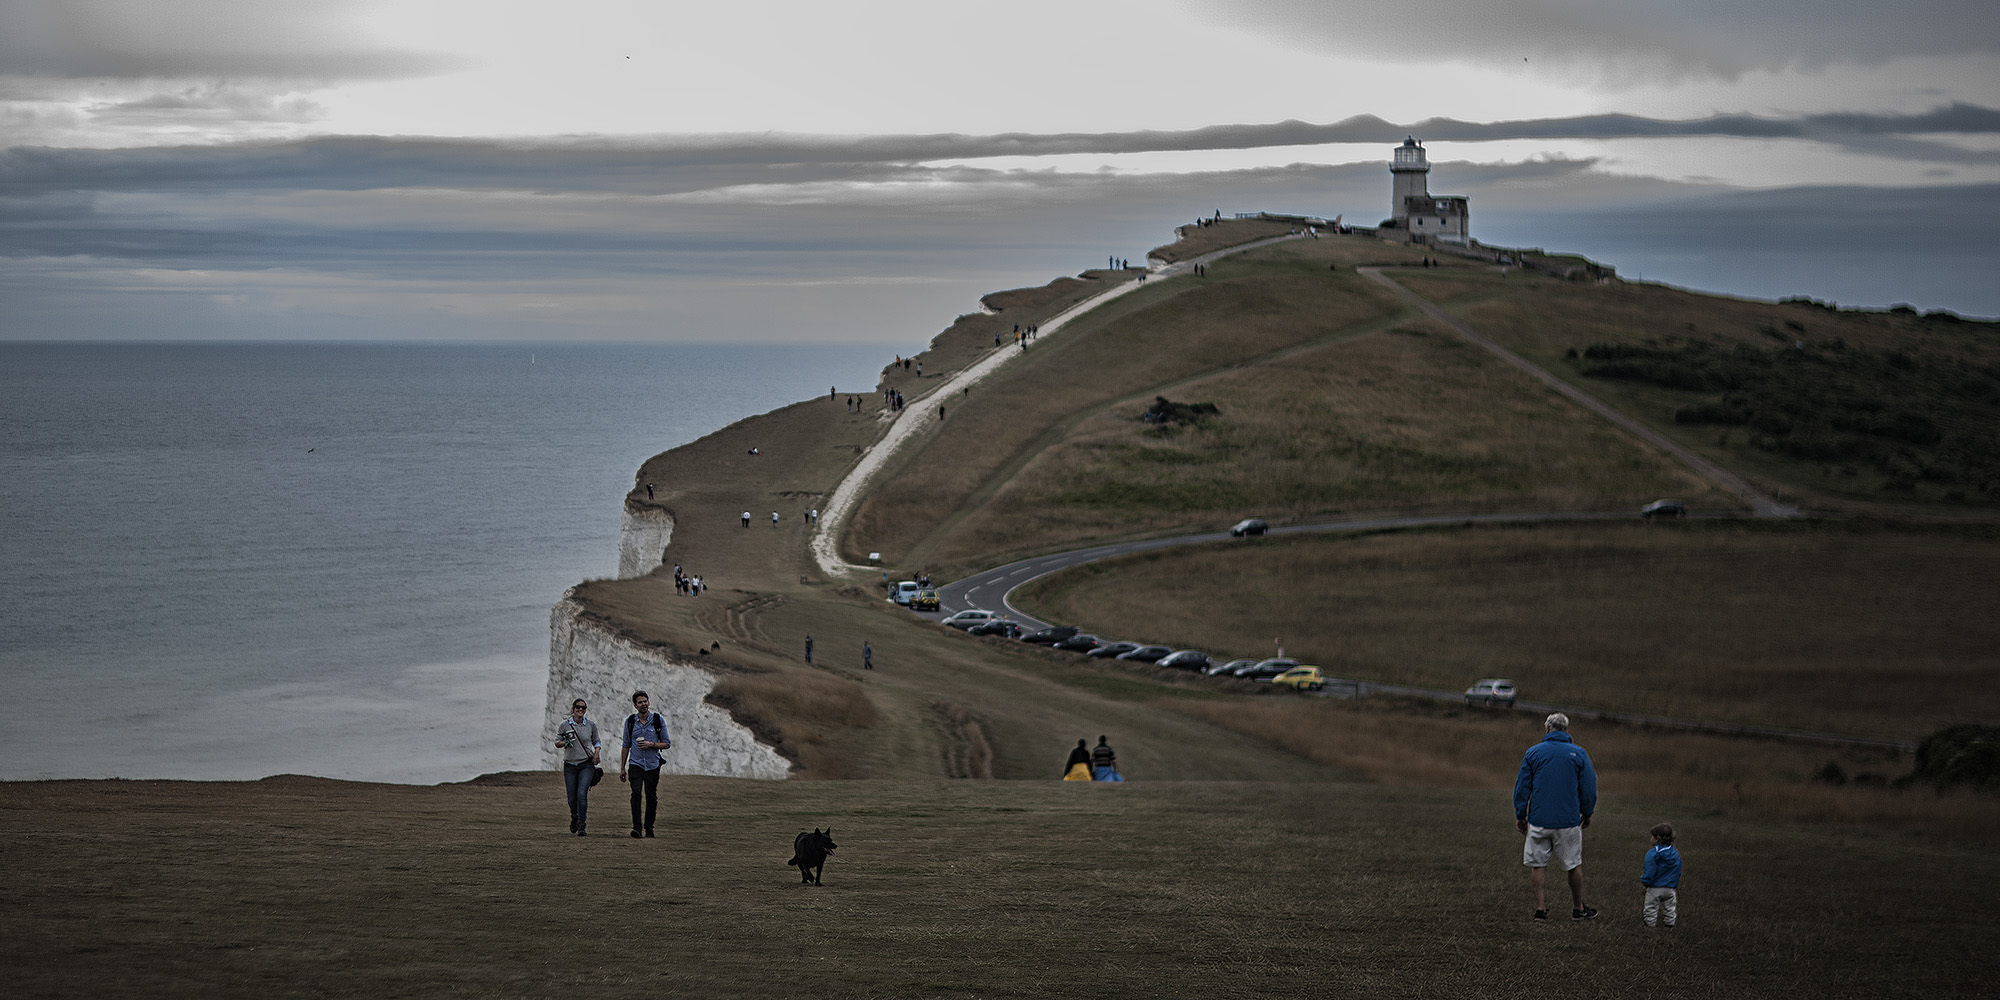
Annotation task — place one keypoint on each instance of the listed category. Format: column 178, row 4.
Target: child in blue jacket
column 1662, row 878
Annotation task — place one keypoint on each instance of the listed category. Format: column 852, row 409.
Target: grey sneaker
column 1584, row 914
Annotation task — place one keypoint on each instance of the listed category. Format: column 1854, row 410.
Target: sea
column 225, row 561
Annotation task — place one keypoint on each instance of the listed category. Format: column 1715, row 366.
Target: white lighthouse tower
column 1416, row 215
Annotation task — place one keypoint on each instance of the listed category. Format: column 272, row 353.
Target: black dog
column 809, row 853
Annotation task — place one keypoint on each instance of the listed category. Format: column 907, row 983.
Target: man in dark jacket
column 1553, row 798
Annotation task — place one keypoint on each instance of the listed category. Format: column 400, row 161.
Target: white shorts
column 1565, row 842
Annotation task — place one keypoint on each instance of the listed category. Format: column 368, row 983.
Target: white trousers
column 1660, row 903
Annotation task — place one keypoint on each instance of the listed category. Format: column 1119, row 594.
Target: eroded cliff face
column 590, row 660
column 643, row 534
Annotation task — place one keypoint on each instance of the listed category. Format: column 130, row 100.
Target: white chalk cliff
column 590, row 660
column 643, row 534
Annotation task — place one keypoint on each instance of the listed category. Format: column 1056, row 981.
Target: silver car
column 1491, row 691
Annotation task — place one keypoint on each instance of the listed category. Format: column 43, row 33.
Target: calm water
column 230, row 561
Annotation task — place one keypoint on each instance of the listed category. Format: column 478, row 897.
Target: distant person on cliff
column 639, row 760
column 1553, row 798
column 649, row 491
column 1104, row 762
column 774, row 519
column 746, row 518
column 867, row 657
column 809, row 647
column 1077, row 767
column 578, row 740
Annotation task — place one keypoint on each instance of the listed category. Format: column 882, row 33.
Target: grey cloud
column 681, row 164
column 1624, row 40
column 317, row 39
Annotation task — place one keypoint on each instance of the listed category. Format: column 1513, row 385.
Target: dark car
column 1267, row 669
column 1082, row 642
column 1051, row 635
column 1230, row 668
column 1249, row 526
column 997, row 626
column 1147, row 654
column 1185, row 659
column 1663, row 508
column 1111, row 649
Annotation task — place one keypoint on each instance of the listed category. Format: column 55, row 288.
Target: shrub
column 1967, row 754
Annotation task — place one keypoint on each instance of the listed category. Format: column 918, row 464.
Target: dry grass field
column 1951, row 371
column 1865, row 630
column 1333, row 401
column 307, row 887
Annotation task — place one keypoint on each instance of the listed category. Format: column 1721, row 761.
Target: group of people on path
column 645, row 735
column 1554, row 797
column 1092, row 764
column 687, row 585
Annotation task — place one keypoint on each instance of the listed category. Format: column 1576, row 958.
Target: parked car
column 1229, row 669
column 1185, row 659
column 1491, row 691
column 1111, row 649
column 926, row 600
column 904, row 592
column 1305, row 678
column 967, row 619
column 1267, row 669
column 1663, row 508
column 1147, row 654
column 1249, row 526
column 1007, row 627
column 1051, row 635
column 1082, row 642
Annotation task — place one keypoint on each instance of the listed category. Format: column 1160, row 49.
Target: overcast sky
column 607, row 169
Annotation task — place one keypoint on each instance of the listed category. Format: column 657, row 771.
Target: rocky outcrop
column 643, row 534
column 592, row 660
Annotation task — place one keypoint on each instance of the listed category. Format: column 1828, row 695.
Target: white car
column 967, row 619
column 1491, row 691
column 905, row 592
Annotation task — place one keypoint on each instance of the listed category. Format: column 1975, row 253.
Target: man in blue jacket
column 1553, row 799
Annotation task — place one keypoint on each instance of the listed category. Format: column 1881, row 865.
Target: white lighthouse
column 1415, row 214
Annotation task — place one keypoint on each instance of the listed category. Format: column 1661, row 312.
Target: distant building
column 1415, row 214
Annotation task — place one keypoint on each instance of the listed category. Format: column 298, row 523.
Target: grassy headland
column 1266, row 844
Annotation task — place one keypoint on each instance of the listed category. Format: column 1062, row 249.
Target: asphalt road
column 991, row 588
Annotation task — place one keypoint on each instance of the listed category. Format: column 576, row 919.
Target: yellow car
column 1301, row 679
column 926, row 600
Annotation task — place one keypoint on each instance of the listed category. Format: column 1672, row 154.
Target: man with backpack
column 639, row 759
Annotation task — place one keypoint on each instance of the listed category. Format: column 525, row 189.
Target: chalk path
column 914, row 420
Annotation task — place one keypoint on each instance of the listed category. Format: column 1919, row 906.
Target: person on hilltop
column 578, row 740
column 867, row 656
column 1554, row 796
column 1104, row 762
column 639, row 760
column 809, row 647
column 746, row 518
column 1662, row 878
column 1077, row 767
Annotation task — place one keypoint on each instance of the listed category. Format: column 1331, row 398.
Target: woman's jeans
column 576, row 783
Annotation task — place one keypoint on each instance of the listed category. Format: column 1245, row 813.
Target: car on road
column 904, row 592
column 1663, row 508
column 968, row 618
column 1230, row 668
column 1147, row 654
column 1249, row 526
column 926, row 600
column 1111, row 649
column 1185, row 659
column 1007, row 627
column 1305, row 678
column 1082, row 642
column 1051, row 635
column 1266, row 669
column 1491, row 691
